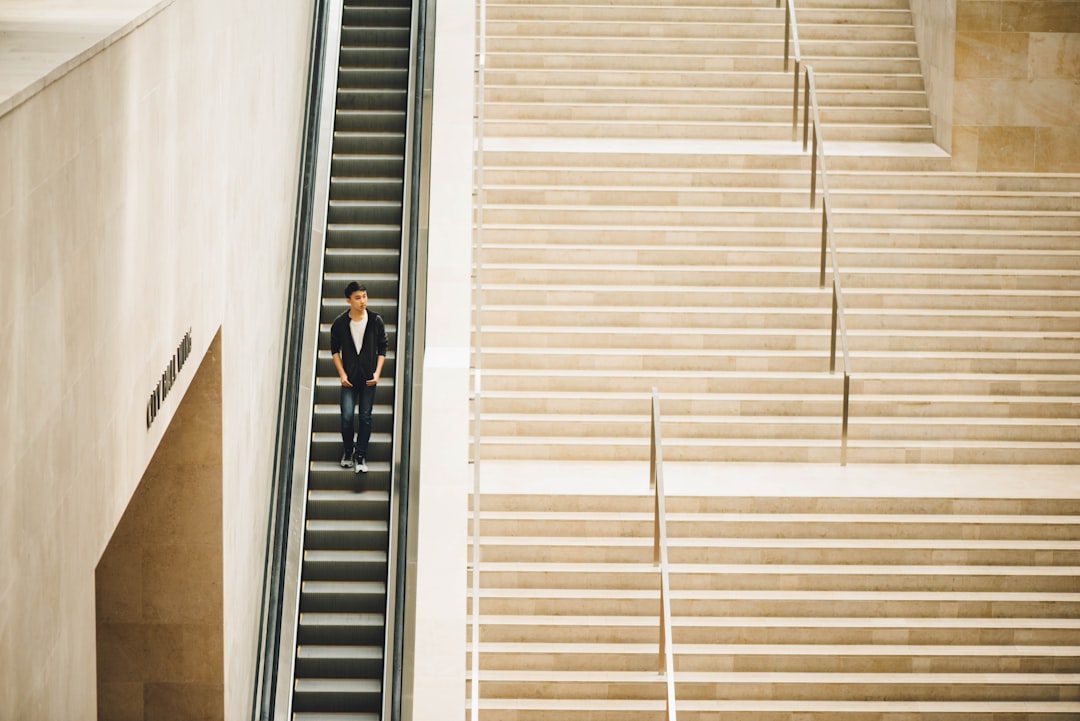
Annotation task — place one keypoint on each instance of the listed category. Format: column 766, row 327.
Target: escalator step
column 334, row 694
column 339, row 661
column 341, row 628
column 342, row 596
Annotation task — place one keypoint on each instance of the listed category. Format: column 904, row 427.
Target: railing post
column 787, row 31
column 653, row 421
column 656, row 529
column 652, row 442
column 795, row 104
column 666, row 662
column 844, row 427
column 824, row 243
column 663, row 634
column 806, row 112
column 832, row 342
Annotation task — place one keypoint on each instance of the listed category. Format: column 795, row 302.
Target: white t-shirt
column 357, row 328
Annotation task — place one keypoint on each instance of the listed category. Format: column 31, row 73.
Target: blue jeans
column 364, row 397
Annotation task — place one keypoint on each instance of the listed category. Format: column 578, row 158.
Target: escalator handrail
column 282, row 488
column 410, row 341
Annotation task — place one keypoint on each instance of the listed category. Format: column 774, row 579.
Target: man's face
column 358, row 301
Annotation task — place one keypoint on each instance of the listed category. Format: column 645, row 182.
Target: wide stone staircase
column 705, row 69
column 810, row 608
column 647, row 222
column 624, row 246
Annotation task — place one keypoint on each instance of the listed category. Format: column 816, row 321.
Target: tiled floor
column 40, row 40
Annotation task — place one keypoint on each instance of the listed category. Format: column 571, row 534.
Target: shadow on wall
column 159, row 583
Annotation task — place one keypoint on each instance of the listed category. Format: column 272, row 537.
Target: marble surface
column 1017, row 99
column 41, row 40
column 785, row 479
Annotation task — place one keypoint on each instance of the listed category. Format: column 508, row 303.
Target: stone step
column 742, row 404
column 869, row 630
column 771, row 236
column 531, row 709
column 971, row 259
column 862, row 302
column 704, row 686
column 1009, row 316
column 696, row 215
column 950, row 238
column 508, row 113
column 781, row 525
column 806, row 217
column 763, row 382
column 618, row 22
column 960, row 218
column 929, row 277
column 904, row 425
column 780, row 577
column 504, row 37
column 955, row 182
column 927, row 199
column 601, row 338
column 588, row 23
column 743, row 14
column 790, row 187
column 703, row 130
column 712, row 549
column 831, row 73
column 854, row 88
column 587, row 171
column 839, row 604
column 612, row 427
column 782, row 658
column 964, row 452
column 616, row 234
column 851, row 505
column 677, row 361
column 782, row 450
column 717, row 329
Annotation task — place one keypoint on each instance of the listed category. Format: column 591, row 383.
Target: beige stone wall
column 1017, row 95
column 437, row 646
column 148, row 191
column 935, row 29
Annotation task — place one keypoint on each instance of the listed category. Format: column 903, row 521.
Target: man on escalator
column 358, row 344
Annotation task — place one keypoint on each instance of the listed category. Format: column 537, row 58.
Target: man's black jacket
column 359, row 365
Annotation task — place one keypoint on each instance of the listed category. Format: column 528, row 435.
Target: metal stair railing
column 812, row 129
column 660, row 555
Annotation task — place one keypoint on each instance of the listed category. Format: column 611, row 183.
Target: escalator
column 345, row 568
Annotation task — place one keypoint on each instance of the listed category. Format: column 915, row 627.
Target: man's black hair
column 352, row 288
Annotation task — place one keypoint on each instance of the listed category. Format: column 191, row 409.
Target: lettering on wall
column 168, row 378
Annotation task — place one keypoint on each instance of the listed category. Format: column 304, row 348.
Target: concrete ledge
column 42, row 42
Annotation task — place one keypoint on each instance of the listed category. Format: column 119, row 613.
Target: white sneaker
column 361, row 465
column 346, row 459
